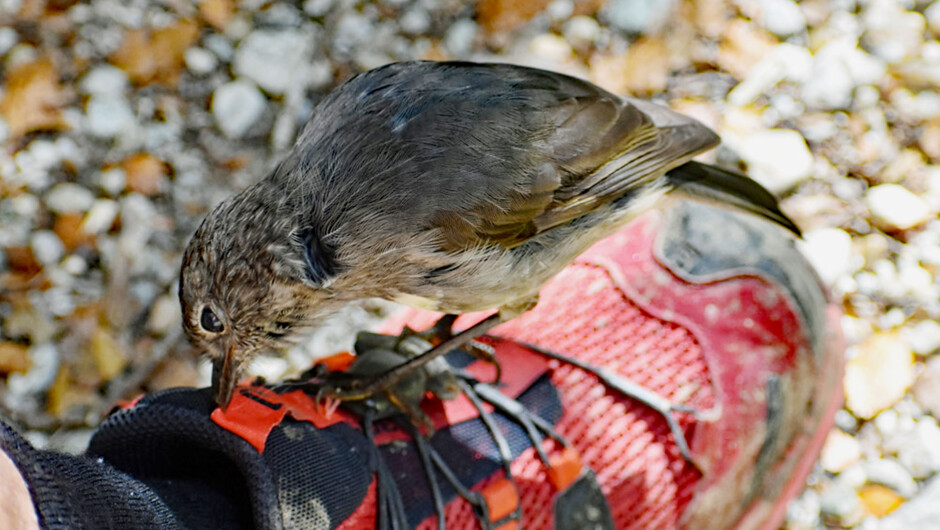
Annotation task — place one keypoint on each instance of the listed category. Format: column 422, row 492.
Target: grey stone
column 460, row 36
column 68, row 198
column 108, row 116
column 236, row 106
column 200, row 60
column 351, row 31
column 415, row 21
column 638, row 16
column 274, row 60
column 104, row 80
column 47, row 247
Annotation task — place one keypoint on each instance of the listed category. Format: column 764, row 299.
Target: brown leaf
column 587, row 7
column 217, row 13
column 642, row 69
column 107, row 354
column 710, row 17
column 499, row 16
column 929, row 140
column 69, row 229
column 64, row 394
column 22, row 260
column 13, row 357
column 742, row 46
column 157, row 56
column 146, row 173
column 33, row 98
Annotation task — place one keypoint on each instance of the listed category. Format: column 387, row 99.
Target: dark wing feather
column 480, row 153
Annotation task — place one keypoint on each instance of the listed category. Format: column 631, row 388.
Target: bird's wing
column 483, row 153
column 583, row 148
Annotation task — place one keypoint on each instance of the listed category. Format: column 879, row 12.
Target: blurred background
column 123, row 121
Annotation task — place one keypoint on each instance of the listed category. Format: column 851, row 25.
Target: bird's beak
column 224, row 377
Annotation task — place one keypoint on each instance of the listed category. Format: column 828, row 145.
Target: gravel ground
column 123, row 122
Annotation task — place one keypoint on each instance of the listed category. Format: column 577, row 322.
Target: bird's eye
column 210, row 322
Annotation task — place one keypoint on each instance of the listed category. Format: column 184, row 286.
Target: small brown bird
column 450, row 186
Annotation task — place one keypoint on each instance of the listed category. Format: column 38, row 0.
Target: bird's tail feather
column 727, row 188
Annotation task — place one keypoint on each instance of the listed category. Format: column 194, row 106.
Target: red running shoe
column 692, row 309
column 707, row 309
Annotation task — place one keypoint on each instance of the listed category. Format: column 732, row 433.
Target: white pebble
column 829, row 250
column 104, row 80
column 112, row 180
column 236, row 106
column 108, row 116
column 415, row 21
column 551, row 47
column 777, row 158
column 581, row 30
column 164, row 315
column 895, row 207
column 318, row 8
column 47, row 247
column 8, row 39
column 924, row 337
column 75, row 265
column 781, row 17
column 460, row 36
column 69, row 198
column 25, row 205
column 638, row 16
column 932, row 14
column 101, row 216
column 274, row 60
column 838, row 68
column 200, row 61
column 44, row 366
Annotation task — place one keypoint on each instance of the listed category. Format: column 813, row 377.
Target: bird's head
column 246, row 288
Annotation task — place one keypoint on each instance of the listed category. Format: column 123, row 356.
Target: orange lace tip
column 501, row 497
column 339, row 362
column 566, row 468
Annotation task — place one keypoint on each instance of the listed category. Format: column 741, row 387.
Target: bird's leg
column 365, row 386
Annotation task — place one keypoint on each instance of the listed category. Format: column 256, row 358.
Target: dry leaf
column 145, row 173
column 499, row 16
column 22, row 260
column 33, row 98
column 69, row 229
column 13, row 357
column 217, row 13
column 107, row 354
column 157, row 56
column 64, row 394
column 710, row 17
column 642, row 69
column 929, row 140
column 587, row 8
column 742, row 46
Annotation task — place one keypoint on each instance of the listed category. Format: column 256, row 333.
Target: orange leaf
column 13, row 357
column 145, row 173
column 33, row 98
column 157, row 56
column 506, row 15
column 217, row 13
